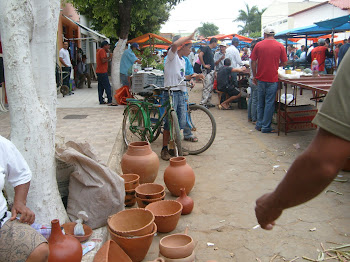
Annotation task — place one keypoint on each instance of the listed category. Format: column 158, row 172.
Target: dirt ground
column 232, row 174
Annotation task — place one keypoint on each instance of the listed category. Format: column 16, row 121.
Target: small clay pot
column 130, row 199
column 176, row 246
column 186, row 201
column 135, row 247
column 132, row 222
column 142, row 203
column 69, row 230
column 131, row 181
column 190, row 258
column 149, row 191
column 167, row 214
column 110, row 251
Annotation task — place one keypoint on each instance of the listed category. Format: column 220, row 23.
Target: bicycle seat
column 146, row 93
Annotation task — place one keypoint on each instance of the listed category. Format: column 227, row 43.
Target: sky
column 189, row 14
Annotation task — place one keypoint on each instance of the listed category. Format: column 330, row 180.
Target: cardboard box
column 298, row 118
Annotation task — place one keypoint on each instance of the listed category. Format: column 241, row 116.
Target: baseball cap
column 104, row 43
column 222, row 43
column 235, row 39
column 135, row 45
column 269, row 30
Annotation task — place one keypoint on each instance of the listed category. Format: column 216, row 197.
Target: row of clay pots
column 131, row 181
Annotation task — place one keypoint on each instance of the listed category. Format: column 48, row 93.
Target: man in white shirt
column 219, row 57
column 65, row 63
column 233, row 53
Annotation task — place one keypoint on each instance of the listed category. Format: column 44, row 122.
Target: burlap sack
column 93, row 187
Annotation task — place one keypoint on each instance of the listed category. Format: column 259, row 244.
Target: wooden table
column 320, row 85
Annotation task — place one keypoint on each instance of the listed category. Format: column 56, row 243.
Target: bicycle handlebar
column 164, row 87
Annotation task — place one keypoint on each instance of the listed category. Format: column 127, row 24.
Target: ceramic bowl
column 131, row 181
column 149, row 191
column 69, row 230
column 110, row 251
column 132, row 222
column 167, row 214
column 142, row 203
column 190, row 258
column 135, row 247
column 176, row 246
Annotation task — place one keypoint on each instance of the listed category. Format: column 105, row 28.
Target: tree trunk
column 117, row 55
column 28, row 33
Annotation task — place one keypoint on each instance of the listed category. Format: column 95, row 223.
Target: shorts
column 179, row 105
column 197, row 68
column 17, row 241
column 230, row 90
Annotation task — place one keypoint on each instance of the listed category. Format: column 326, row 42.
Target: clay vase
column 63, row 247
column 179, row 175
column 186, row 201
column 140, row 159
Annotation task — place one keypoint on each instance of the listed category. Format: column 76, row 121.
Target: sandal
column 191, row 139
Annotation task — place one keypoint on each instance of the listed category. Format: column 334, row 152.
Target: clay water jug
column 179, row 175
column 141, row 160
column 186, row 201
column 62, row 247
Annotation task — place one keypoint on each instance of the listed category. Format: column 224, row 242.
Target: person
column 266, row 57
column 174, row 72
column 102, row 57
column 66, row 65
column 320, row 53
column 126, row 62
column 219, row 56
column 206, row 58
column 291, row 53
column 336, row 54
column 191, row 56
column 299, row 51
column 245, row 55
column 302, row 57
column 83, row 74
column 342, row 51
column 320, row 163
column 18, row 240
column 227, row 83
column 232, row 53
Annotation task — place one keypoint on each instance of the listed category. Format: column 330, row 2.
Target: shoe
column 184, row 152
column 164, row 154
column 89, row 86
column 191, row 139
column 210, row 105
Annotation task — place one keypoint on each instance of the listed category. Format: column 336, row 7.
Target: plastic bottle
column 314, row 67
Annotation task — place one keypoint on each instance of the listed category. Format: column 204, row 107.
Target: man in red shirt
column 266, row 57
column 320, row 53
column 102, row 72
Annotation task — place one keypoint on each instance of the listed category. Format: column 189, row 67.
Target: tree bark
column 28, row 33
column 117, row 55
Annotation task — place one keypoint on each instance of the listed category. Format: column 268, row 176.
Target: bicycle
column 145, row 118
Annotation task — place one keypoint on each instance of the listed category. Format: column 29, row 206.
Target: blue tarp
column 335, row 22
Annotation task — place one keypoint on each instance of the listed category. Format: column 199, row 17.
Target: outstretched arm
column 19, row 205
column 181, row 41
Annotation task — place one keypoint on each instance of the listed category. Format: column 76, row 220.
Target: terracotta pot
column 143, row 202
column 176, row 246
column 186, row 201
column 149, row 191
column 135, row 247
column 131, row 181
column 167, row 214
column 140, row 159
column 179, row 175
column 190, row 258
column 346, row 166
column 63, row 247
column 110, row 251
column 130, row 199
column 69, row 230
column 131, row 222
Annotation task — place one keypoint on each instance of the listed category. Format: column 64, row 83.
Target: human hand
column 255, row 81
column 265, row 213
column 207, row 66
column 27, row 215
column 243, row 68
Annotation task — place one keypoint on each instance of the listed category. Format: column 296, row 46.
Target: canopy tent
column 230, row 36
column 335, row 22
column 158, row 46
column 150, row 38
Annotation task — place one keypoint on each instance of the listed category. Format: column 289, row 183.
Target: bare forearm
column 21, row 192
column 254, row 67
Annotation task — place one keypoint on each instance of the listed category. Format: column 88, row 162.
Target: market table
column 320, row 85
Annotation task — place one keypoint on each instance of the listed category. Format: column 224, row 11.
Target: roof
column 148, row 36
column 343, row 4
column 307, row 9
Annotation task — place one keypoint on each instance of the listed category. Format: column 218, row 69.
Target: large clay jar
column 186, row 201
column 63, row 248
column 179, row 175
column 140, row 159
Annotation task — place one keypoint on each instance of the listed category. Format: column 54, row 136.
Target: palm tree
column 251, row 19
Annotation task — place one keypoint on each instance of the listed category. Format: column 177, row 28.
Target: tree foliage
column 125, row 18
column 251, row 19
column 208, row 29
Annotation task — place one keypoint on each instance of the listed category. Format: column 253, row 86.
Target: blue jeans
column 253, row 102
column 104, row 85
column 179, row 105
column 124, row 79
column 266, row 105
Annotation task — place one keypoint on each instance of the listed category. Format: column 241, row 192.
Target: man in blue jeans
column 266, row 57
column 103, row 56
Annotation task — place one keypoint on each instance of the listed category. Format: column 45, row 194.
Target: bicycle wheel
column 133, row 125
column 175, row 134
column 154, row 118
column 203, row 126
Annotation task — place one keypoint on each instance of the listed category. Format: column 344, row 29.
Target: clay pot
column 149, row 191
column 63, row 247
column 190, row 258
column 140, row 159
column 346, row 166
column 131, row 181
column 143, row 202
column 132, row 222
column 167, row 214
column 179, row 175
column 176, row 246
column 110, row 251
column 130, row 199
column 69, row 230
column 135, row 247
column 186, row 201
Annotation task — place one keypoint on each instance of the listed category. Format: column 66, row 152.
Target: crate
column 298, row 118
column 141, row 80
